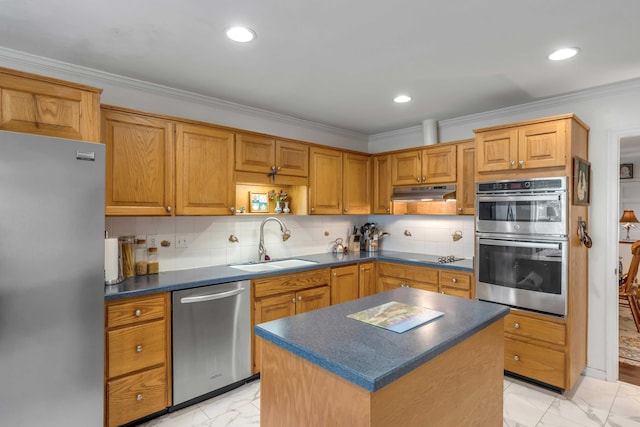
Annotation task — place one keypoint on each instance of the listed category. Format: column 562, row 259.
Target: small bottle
column 153, row 261
column 141, row 257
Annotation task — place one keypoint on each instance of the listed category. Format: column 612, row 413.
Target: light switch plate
column 182, row 241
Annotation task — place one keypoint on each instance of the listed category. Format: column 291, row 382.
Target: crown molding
column 397, row 132
column 63, row 70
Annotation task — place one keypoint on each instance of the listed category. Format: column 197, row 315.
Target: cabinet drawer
column 136, row 396
column 136, row 347
column 534, row 328
column 455, row 292
column 135, row 310
column 411, row 272
column 455, row 280
column 539, row 363
column 290, row 282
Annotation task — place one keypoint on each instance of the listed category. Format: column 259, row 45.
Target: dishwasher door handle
column 219, row 295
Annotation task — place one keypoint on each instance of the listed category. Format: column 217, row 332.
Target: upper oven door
column 517, row 214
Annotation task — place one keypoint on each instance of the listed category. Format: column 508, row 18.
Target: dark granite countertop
column 373, row 357
column 192, row 278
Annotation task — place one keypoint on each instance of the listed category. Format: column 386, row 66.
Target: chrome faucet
column 262, row 251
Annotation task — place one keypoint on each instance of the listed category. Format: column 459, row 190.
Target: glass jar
column 141, row 257
column 153, row 261
column 127, row 256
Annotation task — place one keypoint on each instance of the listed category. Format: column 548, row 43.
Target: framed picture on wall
column 258, row 202
column 626, row 171
column 581, row 181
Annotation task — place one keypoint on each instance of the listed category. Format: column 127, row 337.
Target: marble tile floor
column 592, row 402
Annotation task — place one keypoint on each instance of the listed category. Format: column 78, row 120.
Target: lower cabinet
column 282, row 296
column 535, row 347
column 344, row 284
column 457, row 283
column 137, row 357
column 367, row 279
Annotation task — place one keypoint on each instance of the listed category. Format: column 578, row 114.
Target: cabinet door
column 255, row 153
column 266, row 310
column 466, row 186
column 44, row 106
column 325, row 181
column 292, row 158
column 139, row 163
column 542, row 145
column 386, row 283
column 344, row 284
column 356, row 193
column 439, row 165
column 382, row 184
column 497, row 150
column 406, row 168
column 367, row 279
column 204, row 171
column 312, row 299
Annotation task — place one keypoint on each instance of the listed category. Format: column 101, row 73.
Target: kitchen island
column 323, row 368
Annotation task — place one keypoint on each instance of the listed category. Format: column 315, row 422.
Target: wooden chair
column 627, row 293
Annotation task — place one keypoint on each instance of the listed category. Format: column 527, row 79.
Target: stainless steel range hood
column 435, row 193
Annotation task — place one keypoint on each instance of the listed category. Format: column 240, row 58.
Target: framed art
column 626, row 171
column 581, row 181
column 258, row 202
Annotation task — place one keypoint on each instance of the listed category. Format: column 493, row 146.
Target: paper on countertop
column 396, row 316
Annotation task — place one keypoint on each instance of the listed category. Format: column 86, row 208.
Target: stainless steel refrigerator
column 51, row 281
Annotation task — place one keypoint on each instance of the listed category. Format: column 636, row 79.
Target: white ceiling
column 341, row 62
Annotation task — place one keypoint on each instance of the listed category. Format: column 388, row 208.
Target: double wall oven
column 521, row 257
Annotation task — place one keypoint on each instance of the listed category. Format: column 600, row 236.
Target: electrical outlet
column 182, row 241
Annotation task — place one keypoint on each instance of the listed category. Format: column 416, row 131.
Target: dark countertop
column 192, row 278
column 373, row 357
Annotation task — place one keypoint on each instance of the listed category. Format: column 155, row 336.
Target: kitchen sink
column 273, row 265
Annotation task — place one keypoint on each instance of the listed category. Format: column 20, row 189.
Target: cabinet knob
column 442, row 292
column 516, row 325
column 516, row 357
column 335, row 274
column 293, row 300
column 454, row 280
column 313, row 209
column 232, row 209
column 279, row 168
column 139, row 348
column 139, row 397
column 513, row 162
column 521, row 162
column 424, row 178
column 273, row 167
column 459, row 209
column 346, row 210
column 361, row 268
column 388, row 210
column 138, row 313
column 299, row 297
column 418, row 179
column 168, row 208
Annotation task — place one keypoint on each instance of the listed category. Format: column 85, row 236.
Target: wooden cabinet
column 451, row 282
column 36, row 104
column 325, row 181
column 528, row 146
column 139, row 162
column 345, row 285
column 281, row 296
column 204, row 171
column 356, row 184
column 466, row 185
column 137, row 357
column 367, row 279
column 535, row 347
column 432, row 165
column 382, row 184
column 264, row 154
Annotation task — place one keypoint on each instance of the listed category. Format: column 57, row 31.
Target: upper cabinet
column 535, row 146
column 381, row 184
column 325, row 181
column 35, row 104
column 266, row 155
column 466, row 186
column 204, row 171
column 431, row 165
column 140, row 163
column 356, row 184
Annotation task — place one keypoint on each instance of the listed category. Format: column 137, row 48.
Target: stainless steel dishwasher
column 211, row 339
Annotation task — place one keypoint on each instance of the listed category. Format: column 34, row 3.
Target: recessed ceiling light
column 241, row 34
column 564, row 53
column 402, row 98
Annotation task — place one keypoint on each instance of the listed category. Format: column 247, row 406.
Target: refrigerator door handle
column 209, row 297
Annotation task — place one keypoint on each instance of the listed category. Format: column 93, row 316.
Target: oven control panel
column 541, row 184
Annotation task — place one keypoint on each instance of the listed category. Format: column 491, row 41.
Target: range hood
column 435, row 193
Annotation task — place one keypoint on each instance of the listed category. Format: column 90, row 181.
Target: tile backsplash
column 205, row 240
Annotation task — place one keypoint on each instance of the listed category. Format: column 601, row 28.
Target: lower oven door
column 526, row 274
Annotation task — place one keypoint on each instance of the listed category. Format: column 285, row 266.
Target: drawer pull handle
column 139, row 397
column 138, row 313
column 516, row 325
column 516, row 357
column 139, row 348
column 454, row 280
